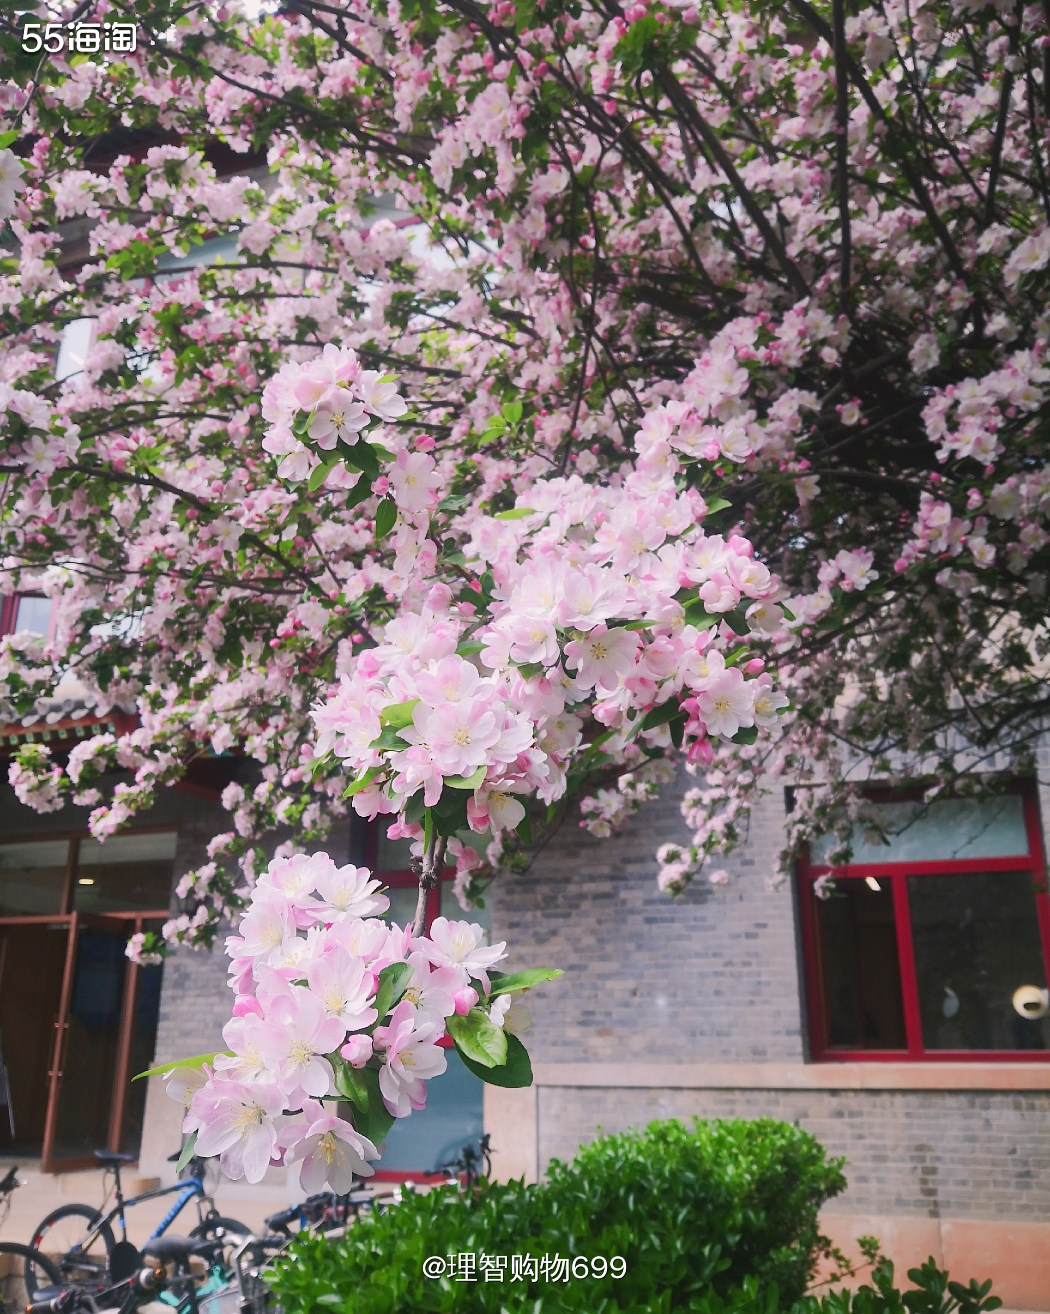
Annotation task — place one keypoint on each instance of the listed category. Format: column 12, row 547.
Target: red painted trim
column 897, row 873
column 933, row 868
column 397, row 1175
column 906, row 959
column 936, row 1056
column 8, row 611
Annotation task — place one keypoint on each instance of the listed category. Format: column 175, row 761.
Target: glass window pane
column 402, row 904
column 31, row 877
column 949, row 829
column 33, row 614
column 453, row 1117
column 976, row 941
column 861, row 971
column 392, row 855
column 127, row 873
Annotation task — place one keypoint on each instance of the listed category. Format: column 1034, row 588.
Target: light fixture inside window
column 86, row 880
column 872, row 883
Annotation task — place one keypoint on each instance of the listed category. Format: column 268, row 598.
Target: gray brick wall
column 933, row 1154
column 714, row 978
column 710, row 976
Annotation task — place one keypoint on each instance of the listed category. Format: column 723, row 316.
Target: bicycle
column 144, row 1284
column 83, row 1241
column 471, row 1166
column 13, row 1259
column 323, row 1212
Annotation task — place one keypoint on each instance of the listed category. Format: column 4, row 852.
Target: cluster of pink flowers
column 499, row 689
column 327, row 992
column 341, row 400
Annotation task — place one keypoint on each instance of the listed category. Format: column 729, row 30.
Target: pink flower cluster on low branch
column 334, row 1004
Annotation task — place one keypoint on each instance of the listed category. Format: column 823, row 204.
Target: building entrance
column 77, row 1019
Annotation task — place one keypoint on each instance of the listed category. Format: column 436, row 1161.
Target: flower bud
column 465, row 999
column 357, row 1050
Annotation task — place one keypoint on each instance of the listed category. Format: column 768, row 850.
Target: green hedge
column 693, row 1212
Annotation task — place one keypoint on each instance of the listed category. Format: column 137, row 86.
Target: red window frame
column 895, row 875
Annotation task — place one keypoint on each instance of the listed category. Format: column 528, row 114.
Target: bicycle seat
column 110, row 1159
column 176, row 1249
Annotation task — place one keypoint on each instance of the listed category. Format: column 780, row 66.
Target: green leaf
column 321, row 473
column 470, row 648
column 512, row 411
column 514, row 1074
column 717, row 504
column 398, row 714
column 197, row 1061
column 638, row 624
column 362, row 782
column 737, row 619
column 524, row 828
column 516, row 513
column 349, row 1082
column 393, row 982
column 450, row 812
column 6, row 138
column 187, row 1152
column 503, row 983
column 389, row 739
column 386, row 517
column 362, row 456
column 477, row 1037
column 660, row 715
column 467, row 782
column 747, row 735
column 373, row 1121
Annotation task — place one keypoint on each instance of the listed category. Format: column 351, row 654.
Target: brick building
column 881, row 1019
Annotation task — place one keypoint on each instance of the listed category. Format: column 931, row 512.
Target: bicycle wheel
column 15, row 1260
column 64, row 1237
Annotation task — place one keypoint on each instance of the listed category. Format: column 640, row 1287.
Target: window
column 918, row 947
column 25, row 611
column 453, row 1115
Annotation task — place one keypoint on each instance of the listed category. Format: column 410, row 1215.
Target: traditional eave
column 63, row 726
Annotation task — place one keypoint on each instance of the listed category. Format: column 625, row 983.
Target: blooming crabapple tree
column 779, row 268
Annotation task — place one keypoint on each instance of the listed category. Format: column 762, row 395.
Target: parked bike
column 81, row 1240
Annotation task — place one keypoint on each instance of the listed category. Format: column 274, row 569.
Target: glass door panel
column 976, row 939
column 87, row 1073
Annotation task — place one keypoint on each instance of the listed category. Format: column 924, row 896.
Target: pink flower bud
column 357, row 1050
column 755, row 666
column 465, row 999
column 245, row 1005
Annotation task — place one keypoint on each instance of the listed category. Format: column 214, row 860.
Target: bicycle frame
column 188, row 1189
